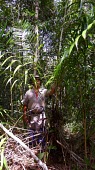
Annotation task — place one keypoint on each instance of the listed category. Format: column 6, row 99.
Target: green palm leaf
column 13, row 84
column 13, row 61
column 17, row 68
column 9, row 80
column 6, row 60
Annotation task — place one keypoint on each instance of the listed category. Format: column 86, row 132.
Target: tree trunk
column 36, row 54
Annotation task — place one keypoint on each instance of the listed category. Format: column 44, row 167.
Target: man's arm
column 25, row 117
column 24, row 103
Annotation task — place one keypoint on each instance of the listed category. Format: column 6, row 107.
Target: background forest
column 56, row 38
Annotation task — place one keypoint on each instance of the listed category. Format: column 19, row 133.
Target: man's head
column 37, row 77
column 37, row 81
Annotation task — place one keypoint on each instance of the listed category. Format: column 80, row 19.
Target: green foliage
column 41, row 155
column 66, row 56
column 5, row 115
column 3, row 162
column 69, row 51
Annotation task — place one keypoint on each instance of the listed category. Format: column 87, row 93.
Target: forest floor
column 19, row 158
column 66, row 154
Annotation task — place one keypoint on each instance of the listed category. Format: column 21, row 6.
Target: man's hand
column 52, row 89
column 25, row 119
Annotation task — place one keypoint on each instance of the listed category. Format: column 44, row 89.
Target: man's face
column 38, row 82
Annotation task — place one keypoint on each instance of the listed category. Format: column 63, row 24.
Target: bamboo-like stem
column 85, row 135
column 61, row 34
column 83, row 109
column 36, row 54
column 11, row 103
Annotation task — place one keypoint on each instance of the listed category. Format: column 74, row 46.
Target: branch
column 43, row 165
column 74, row 156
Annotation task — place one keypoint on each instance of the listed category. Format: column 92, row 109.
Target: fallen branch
column 40, row 163
column 74, row 156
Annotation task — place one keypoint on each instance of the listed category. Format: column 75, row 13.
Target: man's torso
column 35, row 100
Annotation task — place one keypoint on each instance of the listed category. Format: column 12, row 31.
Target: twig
column 76, row 157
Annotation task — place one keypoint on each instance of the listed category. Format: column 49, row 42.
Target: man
column 34, row 100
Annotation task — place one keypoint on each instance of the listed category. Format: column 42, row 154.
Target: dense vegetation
column 56, row 38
